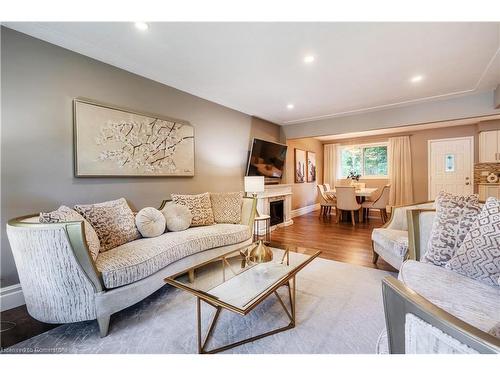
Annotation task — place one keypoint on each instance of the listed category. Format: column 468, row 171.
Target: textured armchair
column 391, row 241
column 430, row 309
column 61, row 283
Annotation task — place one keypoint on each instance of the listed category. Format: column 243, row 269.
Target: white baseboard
column 305, row 210
column 11, row 296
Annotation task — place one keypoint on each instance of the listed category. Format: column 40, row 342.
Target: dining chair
column 379, row 203
column 346, row 201
column 326, row 202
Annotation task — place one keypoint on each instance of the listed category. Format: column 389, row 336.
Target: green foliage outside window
column 366, row 161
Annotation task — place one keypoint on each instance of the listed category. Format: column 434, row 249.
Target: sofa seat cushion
column 469, row 300
column 393, row 239
column 136, row 260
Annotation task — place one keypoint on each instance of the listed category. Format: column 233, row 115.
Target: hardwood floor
column 341, row 242
column 25, row 326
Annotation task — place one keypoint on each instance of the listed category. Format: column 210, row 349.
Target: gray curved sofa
column 62, row 284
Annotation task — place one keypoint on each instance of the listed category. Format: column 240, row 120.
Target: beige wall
column 266, row 130
column 419, row 140
column 304, row 194
column 38, row 83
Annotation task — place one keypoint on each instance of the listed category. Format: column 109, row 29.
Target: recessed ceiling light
column 416, row 78
column 290, row 106
column 309, row 59
column 143, row 26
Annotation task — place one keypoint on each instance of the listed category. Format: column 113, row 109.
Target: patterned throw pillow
column 227, row 207
column 200, row 207
column 479, row 255
column 454, row 217
column 113, row 221
column 63, row 214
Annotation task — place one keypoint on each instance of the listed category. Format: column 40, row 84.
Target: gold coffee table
column 231, row 282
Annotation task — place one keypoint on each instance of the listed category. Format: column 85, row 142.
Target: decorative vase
column 261, row 253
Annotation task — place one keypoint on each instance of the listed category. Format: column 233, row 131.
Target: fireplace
column 276, row 211
column 276, row 201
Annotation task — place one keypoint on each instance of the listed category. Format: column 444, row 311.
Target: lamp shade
column 254, row 184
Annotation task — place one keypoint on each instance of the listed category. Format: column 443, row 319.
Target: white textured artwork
column 113, row 142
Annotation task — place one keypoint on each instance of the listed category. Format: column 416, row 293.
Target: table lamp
column 260, row 253
column 254, row 185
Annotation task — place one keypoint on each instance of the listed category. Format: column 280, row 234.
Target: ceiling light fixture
column 290, row 106
column 309, row 59
column 143, row 26
column 417, row 78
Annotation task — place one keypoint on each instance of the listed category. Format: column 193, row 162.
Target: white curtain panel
column 400, row 171
column 330, row 165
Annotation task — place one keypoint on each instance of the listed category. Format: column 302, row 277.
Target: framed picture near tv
column 311, row 166
column 300, row 165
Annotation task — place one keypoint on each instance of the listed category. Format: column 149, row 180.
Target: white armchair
column 391, row 241
column 432, row 310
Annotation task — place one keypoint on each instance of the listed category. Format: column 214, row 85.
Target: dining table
column 361, row 193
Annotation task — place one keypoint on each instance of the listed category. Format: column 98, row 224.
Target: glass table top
column 234, row 280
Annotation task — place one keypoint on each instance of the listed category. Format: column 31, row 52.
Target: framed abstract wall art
column 311, row 166
column 300, row 165
column 111, row 142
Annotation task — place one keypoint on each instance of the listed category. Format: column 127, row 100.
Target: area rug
column 339, row 310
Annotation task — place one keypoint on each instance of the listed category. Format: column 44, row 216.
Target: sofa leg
column 103, row 322
column 375, row 257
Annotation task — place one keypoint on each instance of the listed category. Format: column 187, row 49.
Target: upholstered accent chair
column 326, row 202
column 391, row 241
column 346, row 201
column 430, row 309
column 379, row 203
column 62, row 284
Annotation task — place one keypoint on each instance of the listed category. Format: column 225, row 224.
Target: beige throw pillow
column 150, row 222
column 178, row 217
column 454, row 217
column 200, row 207
column 63, row 214
column 113, row 221
column 227, row 207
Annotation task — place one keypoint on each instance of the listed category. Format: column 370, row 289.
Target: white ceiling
column 258, row 68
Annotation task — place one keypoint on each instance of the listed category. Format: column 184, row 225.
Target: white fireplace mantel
column 274, row 193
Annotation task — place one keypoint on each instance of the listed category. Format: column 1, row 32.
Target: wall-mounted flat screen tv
column 266, row 159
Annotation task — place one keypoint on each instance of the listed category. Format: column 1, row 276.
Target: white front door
column 450, row 166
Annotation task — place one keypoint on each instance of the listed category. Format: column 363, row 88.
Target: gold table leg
column 202, row 344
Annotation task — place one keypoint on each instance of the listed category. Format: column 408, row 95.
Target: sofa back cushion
column 479, row 255
column 454, row 217
column 200, row 207
column 113, row 221
column 63, row 214
column 227, row 207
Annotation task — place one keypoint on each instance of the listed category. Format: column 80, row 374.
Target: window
column 366, row 160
